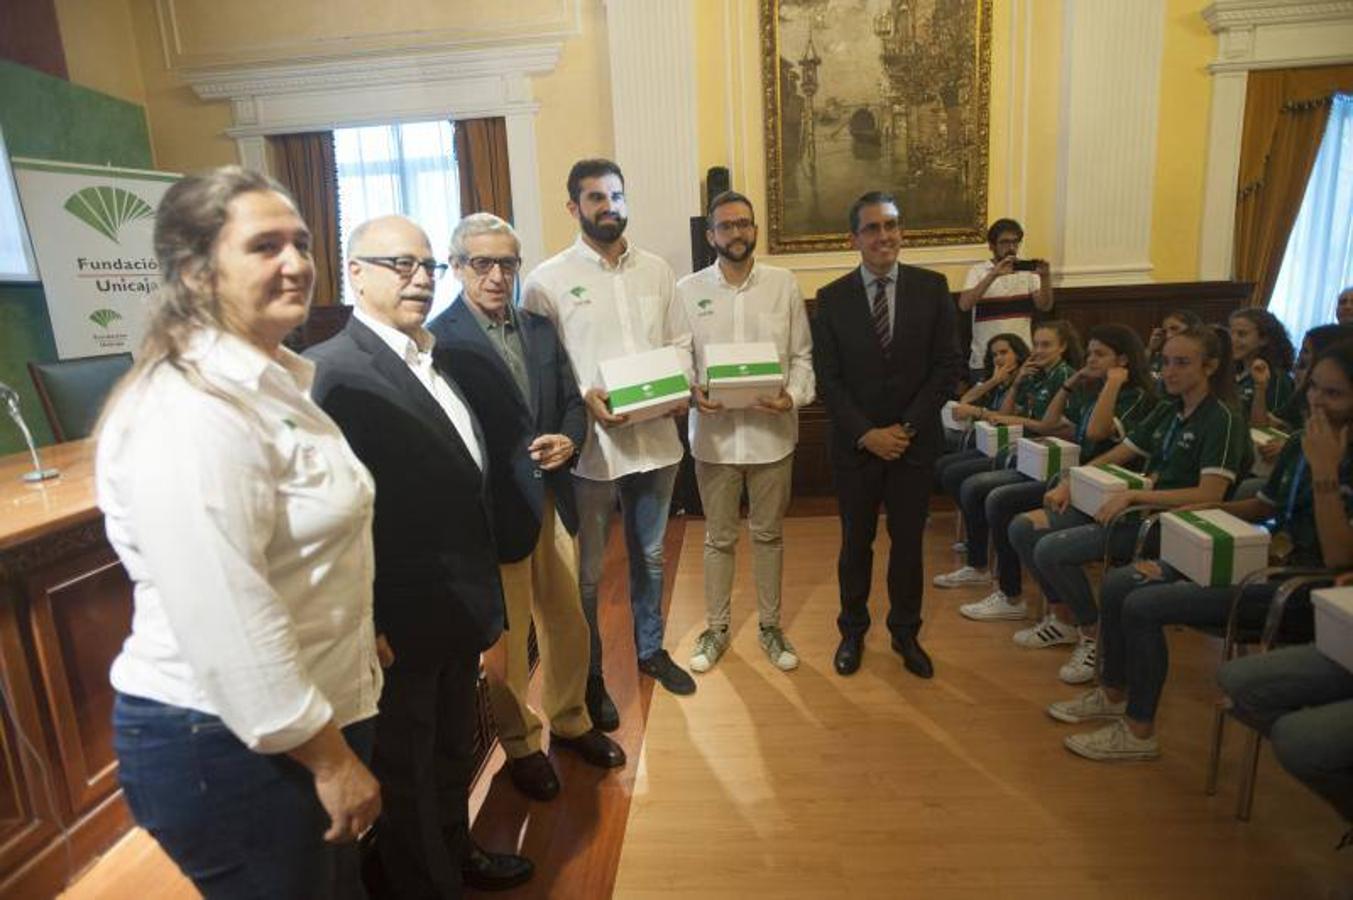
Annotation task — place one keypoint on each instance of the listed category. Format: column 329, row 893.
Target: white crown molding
column 1254, row 35
column 1228, row 14
column 373, row 70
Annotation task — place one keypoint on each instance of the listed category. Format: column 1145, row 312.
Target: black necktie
column 882, row 326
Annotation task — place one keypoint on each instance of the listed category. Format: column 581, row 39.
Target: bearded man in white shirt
column 1003, row 293
column 608, row 299
column 438, row 596
column 740, row 300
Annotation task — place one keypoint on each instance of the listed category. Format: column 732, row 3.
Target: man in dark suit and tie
column 518, row 380
column 438, row 599
column 886, row 359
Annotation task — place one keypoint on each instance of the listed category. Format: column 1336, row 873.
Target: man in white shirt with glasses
column 608, row 299
column 739, row 300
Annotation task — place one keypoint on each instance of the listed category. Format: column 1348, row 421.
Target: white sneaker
column 779, row 650
column 1113, row 742
column 1048, row 633
column 963, row 577
column 1091, row 705
column 993, row 607
column 1081, row 667
column 709, row 646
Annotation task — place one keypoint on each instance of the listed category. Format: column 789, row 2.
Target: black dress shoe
column 916, row 660
column 599, row 706
column 534, row 776
column 485, row 871
column 595, row 748
column 667, row 673
column 848, row 655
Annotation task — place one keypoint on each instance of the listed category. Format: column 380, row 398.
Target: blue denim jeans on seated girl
column 1003, row 505
column 1056, row 556
column 972, row 499
column 239, row 824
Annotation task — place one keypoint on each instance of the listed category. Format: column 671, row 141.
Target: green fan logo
column 705, row 303
column 104, row 317
column 107, row 209
column 578, row 292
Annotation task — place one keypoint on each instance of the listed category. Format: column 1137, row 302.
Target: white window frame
column 393, row 87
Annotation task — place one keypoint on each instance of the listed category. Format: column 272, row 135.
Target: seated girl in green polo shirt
column 1005, row 354
column 1095, row 408
column 1308, row 498
column 1263, row 364
column 1195, row 446
column 1056, row 356
column 1172, row 323
column 1291, row 416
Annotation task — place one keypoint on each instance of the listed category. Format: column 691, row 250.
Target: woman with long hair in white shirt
column 247, row 689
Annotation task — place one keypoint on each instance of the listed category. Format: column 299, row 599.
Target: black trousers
column 903, row 490
column 424, row 749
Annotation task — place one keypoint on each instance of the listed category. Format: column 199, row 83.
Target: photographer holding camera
column 1003, row 292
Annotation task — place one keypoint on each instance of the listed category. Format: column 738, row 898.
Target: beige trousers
column 543, row 587
column 768, row 489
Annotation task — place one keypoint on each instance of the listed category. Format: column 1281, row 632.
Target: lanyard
column 1084, row 424
column 1293, row 489
column 1167, row 444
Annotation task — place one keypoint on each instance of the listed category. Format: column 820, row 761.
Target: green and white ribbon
column 1131, row 479
column 1054, row 460
column 742, row 370
column 656, row 389
column 1223, row 548
column 1002, row 438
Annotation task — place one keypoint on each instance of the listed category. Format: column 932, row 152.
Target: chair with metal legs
column 1237, row 640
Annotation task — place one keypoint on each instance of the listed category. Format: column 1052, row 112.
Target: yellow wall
column 115, row 46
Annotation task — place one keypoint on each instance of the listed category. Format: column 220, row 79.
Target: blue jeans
column 644, row 501
column 953, row 469
column 1134, row 612
column 1303, row 701
column 972, row 499
column 1003, row 504
column 1056, row 557
column 240, row 824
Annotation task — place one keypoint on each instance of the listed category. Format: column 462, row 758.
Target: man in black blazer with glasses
column 886, row 357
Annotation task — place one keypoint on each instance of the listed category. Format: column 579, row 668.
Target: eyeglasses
column 732, row 225
column 405, row 266
column 483, row 265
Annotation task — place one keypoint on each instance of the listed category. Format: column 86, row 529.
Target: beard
column 604, row 232
column 737, row 256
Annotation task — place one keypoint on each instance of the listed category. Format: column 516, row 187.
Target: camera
column 1027, row 265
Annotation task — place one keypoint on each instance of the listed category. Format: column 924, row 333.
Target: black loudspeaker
column 716, row 182
column 702, row 254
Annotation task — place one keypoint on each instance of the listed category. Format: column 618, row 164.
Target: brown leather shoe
column 534, row 776
column 595, row 748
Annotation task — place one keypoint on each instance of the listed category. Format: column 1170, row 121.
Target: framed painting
column 867, row 95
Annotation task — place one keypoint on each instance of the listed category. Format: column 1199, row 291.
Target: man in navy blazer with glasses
column 886, row 358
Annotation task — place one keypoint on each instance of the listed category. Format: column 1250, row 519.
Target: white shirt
column 417, row 355
column 1007, row 307
column 246, row 530
column 767, row 306
column 603, row 312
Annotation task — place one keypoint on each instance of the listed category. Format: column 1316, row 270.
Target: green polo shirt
column 1132, row 406
column 1280, row 390
column 1293, row 412
column 506, row 340
column 1034, row 394
column 1299, row 521
column 1213, row 440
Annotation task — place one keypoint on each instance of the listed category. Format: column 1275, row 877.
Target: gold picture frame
column 845, row 112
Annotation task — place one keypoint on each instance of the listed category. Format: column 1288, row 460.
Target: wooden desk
column 65, row 608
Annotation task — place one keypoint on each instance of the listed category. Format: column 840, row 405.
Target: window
column 1318, row 263
column 408, row 169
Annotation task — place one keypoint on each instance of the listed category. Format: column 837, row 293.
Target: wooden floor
column 767, row 784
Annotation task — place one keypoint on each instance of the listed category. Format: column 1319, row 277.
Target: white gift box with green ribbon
column 947, row 417
column 646, row 385
column 738, row 375
column 1211, row 547
column 1042, row 458
column 992, row 439
column 1262, row 436
column 1334, row 623
column 1092, row 485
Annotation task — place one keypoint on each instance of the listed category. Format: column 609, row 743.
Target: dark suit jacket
column 511, row 421
column 861, row 388
column 437, row 587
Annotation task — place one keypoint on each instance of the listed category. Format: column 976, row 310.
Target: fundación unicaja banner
column 92, row 233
